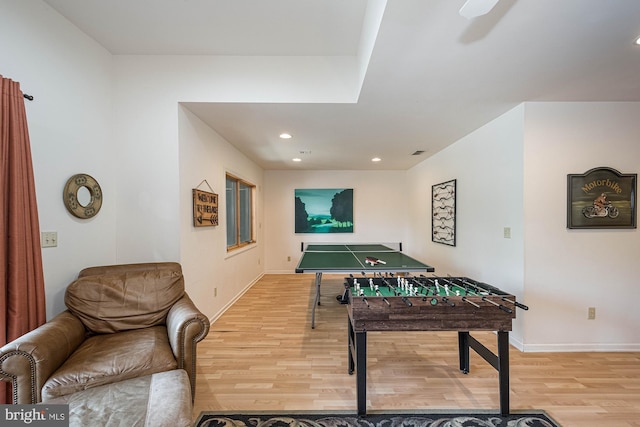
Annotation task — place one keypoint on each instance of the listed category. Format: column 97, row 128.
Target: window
column 239, row 212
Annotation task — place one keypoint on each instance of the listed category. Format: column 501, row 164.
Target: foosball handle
column 522, row 306
column 345, row 296
column 505, row 309
column 516, row 303
column 451, row 303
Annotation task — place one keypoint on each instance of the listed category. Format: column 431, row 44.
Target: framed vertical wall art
column 601, row 198
column 443, row 213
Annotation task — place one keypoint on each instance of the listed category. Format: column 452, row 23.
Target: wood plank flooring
column 262, row 354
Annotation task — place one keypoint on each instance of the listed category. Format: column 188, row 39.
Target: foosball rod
column 493, row 289
column 470, row 302
column 427, row 289
column 484, row 298
column 389, row 285
column 422, row 285
column 379, row 294
column 408, row 302
column 364, row 298
column 464, row 298
column 444, row 299
column 467, row 290
column 489, row 289
column 434, row 283
column 445, row 287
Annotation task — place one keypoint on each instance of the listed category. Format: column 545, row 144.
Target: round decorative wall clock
column 70, row 196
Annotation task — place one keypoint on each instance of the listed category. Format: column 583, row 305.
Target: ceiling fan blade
column 474, row 8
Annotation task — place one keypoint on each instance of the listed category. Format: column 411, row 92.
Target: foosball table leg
column 463, row 350
column 351, row 347
column 361, row 372
column 503, row 371
column 358, row 363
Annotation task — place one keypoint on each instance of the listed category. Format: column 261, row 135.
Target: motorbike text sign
column 601, row 198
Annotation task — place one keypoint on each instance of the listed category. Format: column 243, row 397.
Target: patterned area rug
column 435, row 419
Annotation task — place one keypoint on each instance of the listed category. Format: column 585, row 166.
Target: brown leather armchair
column 121, row 322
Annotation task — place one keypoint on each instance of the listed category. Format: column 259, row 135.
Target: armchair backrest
column 117, row 298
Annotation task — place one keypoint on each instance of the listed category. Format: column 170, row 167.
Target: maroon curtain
column 22, row 298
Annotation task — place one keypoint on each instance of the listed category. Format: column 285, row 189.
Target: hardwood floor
column 263, row 355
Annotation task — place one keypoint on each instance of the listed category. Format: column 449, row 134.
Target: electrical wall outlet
column 507, row 232
column 591, row 314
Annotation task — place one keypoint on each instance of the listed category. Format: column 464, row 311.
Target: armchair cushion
column 158, row 400
column 100, row 359
column 121, row 301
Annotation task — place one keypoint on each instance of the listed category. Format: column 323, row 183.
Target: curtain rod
column 29, row 97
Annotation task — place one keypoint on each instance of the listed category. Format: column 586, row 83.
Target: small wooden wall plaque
column 205, row 208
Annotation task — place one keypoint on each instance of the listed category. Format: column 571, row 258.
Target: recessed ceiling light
column 638, row 41
column 297, row 159
column 285, row 136
column 376, row 159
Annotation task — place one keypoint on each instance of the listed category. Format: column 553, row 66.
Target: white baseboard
column 586, row 347
column 217, row 315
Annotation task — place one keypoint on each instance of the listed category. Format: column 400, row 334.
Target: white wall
column 512, row 173
column 154, row 186
column 487, row 167
column 70, row 77
column 567, row 271
column 378, row 210
column 119, row 119
column 148, row 91
column 215, row 279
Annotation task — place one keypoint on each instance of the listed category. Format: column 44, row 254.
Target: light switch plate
column 49, row 239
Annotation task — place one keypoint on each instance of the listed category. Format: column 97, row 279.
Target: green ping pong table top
column 352, row 258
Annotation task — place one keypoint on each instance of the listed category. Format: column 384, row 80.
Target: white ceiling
column 433, row 76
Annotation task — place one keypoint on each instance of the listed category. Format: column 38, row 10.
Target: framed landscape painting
column 324, row 210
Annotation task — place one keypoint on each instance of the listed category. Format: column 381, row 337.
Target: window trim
column 237, row 211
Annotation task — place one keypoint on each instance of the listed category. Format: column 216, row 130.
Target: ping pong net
column 350, row 247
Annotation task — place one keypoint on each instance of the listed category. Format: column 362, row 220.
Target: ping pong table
column 321, row 258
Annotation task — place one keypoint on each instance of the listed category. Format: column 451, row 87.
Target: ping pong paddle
column 373, row 260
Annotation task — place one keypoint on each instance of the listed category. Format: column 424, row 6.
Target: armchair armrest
column 186, row 326
column 30, row 360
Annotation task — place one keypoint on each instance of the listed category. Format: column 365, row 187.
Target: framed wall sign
column 443, row 213
column 601, row 198
column 205, row 208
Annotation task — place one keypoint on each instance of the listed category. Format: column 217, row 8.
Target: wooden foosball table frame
column 488, row 309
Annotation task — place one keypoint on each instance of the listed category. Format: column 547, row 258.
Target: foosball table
column 384, row 302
